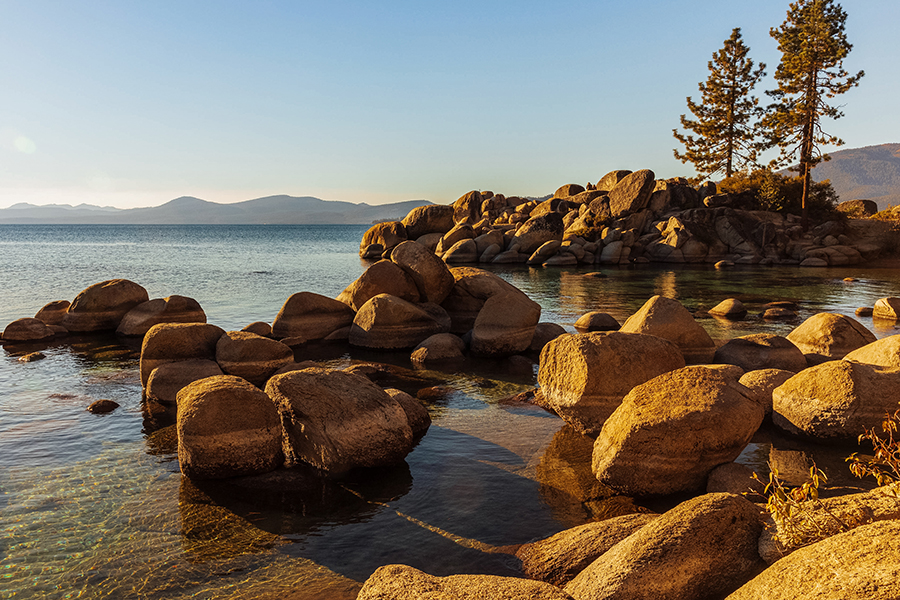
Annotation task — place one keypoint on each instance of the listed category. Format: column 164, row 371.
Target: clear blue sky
column 133, row 103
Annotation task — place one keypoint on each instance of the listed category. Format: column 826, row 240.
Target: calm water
column 94, row 506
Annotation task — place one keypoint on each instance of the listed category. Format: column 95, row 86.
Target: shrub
column 767, row 190
column 884, row 465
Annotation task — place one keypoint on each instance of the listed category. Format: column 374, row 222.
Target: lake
column 95, row 507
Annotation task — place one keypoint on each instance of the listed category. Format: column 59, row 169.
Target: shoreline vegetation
column 666, row 408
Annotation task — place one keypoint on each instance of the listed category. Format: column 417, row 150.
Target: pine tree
column 726, row 120
column 813, row 46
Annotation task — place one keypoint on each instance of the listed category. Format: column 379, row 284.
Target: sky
column 132, row 103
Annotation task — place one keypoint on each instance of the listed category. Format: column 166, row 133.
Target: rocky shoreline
column 250, row 403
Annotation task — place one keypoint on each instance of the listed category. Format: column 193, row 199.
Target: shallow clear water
column 93, row 506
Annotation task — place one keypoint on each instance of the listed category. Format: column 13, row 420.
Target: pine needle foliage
column 813, row 46
column 726, row 119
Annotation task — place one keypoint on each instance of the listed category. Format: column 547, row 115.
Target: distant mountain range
column 187, row 210
column 870, row 173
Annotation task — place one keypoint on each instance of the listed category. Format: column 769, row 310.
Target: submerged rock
column 27, row 330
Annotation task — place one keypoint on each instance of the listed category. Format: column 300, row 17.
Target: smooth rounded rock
column 732, row 308
column 311, row 317
column 668, row 319
column 536, row 231
column 168, row 379
column 829, row 336
column 887, row 308
column 596, row 320
column 429, row 273
column 471, row 289
column 439, row 347
column 389, row 323
column 416, row 413
column 387, row 234
column 422, row 220
column 505, row 325
column 251, row 356
column 384, row 277
column 27, row 330
column 761, row 351
column 880, row 353
column 763, row 382
column 171, row 309
column 172, row 342
column 102, row 306
column 52, row 313
column 543, row 333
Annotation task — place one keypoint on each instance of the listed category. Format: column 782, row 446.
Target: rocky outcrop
column 100, row 307
column 311, row 317
column 27, row 330
column 583, row 377
column 384, row 277
column 227, row 427
column 761, row 351
column 173, row 342
column 251, row 356
column 171, row 309
column 836, row 400
column 335, row 421
column 829, row 336
column 671, row 432
column 400, row 582
column 559, row 558
column 702, row 548
column 668, row 319
column 386, row 322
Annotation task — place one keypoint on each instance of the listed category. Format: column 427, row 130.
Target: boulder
column 430, row 274
column 733, row 478
column 545, row 251
column 384, row 277
column 422, row 220
column 467, row 209
column 858, row 208
column 559, row 558
column 387, row 235
column 400, row 582
column 471, row 289
column 632, row 193
column 227, row 427
column 438, row 347
column 861, row 564
column 259, row 328
column 336, row 421
column 52, row 313
column 609, row 181
column 536, row 231
column 672, row 431
column 584, row 376
column 668, row 319
column 459, row 233
column 763, row 382
column 880, row 353
column 570, row 189
column 27, row 330
column 416, row 413
column 311, row 316
column 703, row 548
column 251, row 356
column 100, row 307
column 543, row 333
column 761, row 351
column 505, row 325
column 171, row 309
column 829, row 336
column 102, row 407
column 835, row 400
column 887, row 308
column 462, row 252
column 173, row 342
column 387, row 322
column 596, row 321
column 168, row 379
column 732, row 308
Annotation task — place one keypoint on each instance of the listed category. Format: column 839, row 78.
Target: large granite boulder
column 460, row 232
column 227, row 427
column 430, row 274
column 171, row 309
column 439, row 347
column 861, row 564
column 387, row 322
column 596, row 320
column 763, row 383
column 703, row 548
column 559, row 558
column 416, row 413
column 168, row 379
column 543, row 334
column 505, row 325
column 52, row 313
column 335, row 421
column 537, row 231
column 761, row 351
column 632, row 192
column 669, row 433
column 836, row 400
column 387, row 235
column 100, row 307
column 422, row 220
column 668, row 319
column 467, row 208
column 173, row 342
column 311, row 316
column 471, row 289
column 570, row 189
column 583, row 377
column 251, row 356
column 400, row 582
column 611, row 179
column 384, row 277
column 829, row 336
column 887, row 308
column 880, row 353
column 462, row 252
column 27, row 330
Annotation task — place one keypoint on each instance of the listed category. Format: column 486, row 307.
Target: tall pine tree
column 813, row 47
column 725, row 122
